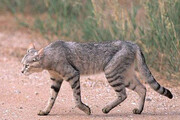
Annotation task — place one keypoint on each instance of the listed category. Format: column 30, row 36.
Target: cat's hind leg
column 115, row 74
column 120, row 90
column 116, row 80
column 140, row 89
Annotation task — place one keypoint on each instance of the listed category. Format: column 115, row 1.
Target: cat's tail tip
column 169, row 94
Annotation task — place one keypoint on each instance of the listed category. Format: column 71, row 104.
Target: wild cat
column 66, row 61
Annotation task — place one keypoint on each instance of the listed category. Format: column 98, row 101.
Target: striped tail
column 144, row 70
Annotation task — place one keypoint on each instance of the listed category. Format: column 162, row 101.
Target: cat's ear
column 31, row 46
column 41, row 52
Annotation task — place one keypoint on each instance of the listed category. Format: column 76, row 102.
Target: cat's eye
column 34, row 60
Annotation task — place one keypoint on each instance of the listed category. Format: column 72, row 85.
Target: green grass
column 91, row 20
column 162, row 36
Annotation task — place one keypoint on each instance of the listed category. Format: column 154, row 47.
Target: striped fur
column 144, row 70
column 66, row 61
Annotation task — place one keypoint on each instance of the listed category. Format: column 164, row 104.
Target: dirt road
column 22, row 97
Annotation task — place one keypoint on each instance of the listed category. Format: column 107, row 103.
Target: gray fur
column 68, row 60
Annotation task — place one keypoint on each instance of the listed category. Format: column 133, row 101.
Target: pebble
column 17, row 91
column 133, row 103
column 36, row 93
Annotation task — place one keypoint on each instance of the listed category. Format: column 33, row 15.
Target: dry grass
column 153, row 24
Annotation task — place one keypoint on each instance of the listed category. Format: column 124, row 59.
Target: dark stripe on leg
column 78, row 87
column 71, row 78
column 119, row 71
column 134, row 88
column 128, row 85
column 113, row 79
column 56, row 89
column 119, row 90
column 117, row 84
column 116, row 78
column 115, row 71
column 109, row 75
column 74, row 84
column 53, row 79
column 78, row 93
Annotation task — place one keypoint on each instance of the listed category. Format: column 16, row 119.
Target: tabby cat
column 66, row 61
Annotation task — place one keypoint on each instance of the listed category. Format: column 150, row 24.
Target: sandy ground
column 22, row 97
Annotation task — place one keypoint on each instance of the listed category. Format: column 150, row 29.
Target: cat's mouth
column 25, row 70
column 26, row 73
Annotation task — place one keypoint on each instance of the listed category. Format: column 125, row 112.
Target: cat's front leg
column 55, row 87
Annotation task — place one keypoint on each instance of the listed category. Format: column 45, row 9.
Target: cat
column 66, row 61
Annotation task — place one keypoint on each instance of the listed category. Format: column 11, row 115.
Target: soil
column 21, row 97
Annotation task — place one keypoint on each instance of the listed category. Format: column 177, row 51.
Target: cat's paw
column 88, row 110
column 137, row 111
column 84, row 108
column 105, row 110
column 42, row 113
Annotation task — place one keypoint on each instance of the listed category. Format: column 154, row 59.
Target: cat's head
column 32, row 60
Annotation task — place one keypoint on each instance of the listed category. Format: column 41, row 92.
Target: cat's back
column 55, row 45
column 94, row 47
column 87, row 48
column 90, row 58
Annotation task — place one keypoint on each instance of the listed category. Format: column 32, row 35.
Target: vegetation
column 156, row 29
